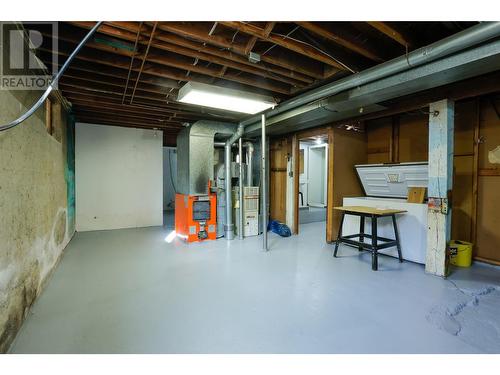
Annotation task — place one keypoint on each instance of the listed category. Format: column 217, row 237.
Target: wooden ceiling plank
column 250, row 44
column 93, row 101
column 118, row 61
column 131, row 110
column 163, row 43
column 125, row 124
column 269, row 28
column 108, row 71
column 125, row 30
column 302, row 48
column 188, row 31
column 117, row 114
column 253, row 39
column 350, row 45
column 391, row 32
column 144, row 58
column 72, row 91
column 127, row 119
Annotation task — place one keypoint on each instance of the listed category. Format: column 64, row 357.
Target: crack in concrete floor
column 477, row 327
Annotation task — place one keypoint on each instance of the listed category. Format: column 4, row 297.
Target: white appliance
column 386, row 186
column 250, row 210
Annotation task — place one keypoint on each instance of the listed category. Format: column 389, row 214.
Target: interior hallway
column 128, row 291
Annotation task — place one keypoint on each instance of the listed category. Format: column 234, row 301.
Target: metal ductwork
column 430, row 66
column 249, row 158
column 229, row 226
column 195, row 155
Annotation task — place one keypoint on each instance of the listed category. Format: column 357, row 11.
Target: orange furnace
column 196, row 217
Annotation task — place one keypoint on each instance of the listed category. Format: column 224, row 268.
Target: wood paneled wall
column 488, row 210
column 279, row 150
column 404, row 138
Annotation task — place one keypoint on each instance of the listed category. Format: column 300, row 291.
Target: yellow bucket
column 460, row 253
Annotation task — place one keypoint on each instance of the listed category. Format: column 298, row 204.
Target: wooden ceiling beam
column 350, row 45
column 104, row 121
column 253, row 39
column 127, row 120
column 119, row 83
column 269, row 28
column 117, row 114
column 93, row 102
column 162, row 41
column 126, row 30
column 211, row 72
column 197, row 33
column 126, row 109
column 206, row 112
column 91, row 87
column 167, row 71
column 173, row 62
column 391, row 32
column 250, row 44
column 110, row 71
column 302, row 48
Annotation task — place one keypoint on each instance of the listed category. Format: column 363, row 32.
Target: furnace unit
column 196, row 217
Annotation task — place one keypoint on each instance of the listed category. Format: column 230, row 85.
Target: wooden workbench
column 373, row 213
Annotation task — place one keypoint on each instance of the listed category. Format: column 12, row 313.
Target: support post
column 240, row 190
column 441, row 130
column 263, row 168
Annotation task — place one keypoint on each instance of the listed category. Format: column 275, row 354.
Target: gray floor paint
column 311, row 214
column 127, row 291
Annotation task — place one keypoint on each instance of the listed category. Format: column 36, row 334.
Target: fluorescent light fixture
column 224, row 98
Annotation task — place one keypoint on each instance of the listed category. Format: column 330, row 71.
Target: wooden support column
column 441, row 130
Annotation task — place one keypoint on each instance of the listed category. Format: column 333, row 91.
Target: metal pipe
column 249, row 160
column 263, row 177
column 240, row 195
column 229, row 226
column 49, row 89
column 447, row 46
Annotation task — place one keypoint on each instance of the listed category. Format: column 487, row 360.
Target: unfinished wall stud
column 441, row 130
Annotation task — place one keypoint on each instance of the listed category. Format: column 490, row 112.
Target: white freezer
column 386, row 186
column 412, row 225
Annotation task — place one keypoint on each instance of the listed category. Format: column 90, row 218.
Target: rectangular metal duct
column 195, row 155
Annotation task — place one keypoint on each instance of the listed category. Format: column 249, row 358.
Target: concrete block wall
column 34, row 222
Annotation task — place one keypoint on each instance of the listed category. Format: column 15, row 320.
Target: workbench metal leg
column 374, row 244
column 361, row 231
column 398, row 245
column 339, row 235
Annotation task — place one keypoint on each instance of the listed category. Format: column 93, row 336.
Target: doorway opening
column 313, row 172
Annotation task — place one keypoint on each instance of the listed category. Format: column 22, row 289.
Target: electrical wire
column 53, row 83
column 312, row 46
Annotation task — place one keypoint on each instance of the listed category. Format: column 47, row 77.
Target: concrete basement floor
column 127, row 291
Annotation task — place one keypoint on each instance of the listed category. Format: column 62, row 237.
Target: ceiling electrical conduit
column 49, row 89
column 447, row 46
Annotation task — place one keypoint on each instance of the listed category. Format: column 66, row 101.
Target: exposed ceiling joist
column 196, row 33
column 291, row 44
column 391, row 32
column 350, row 45
column 123, row 57
column 167, row 67
column 163, row 41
